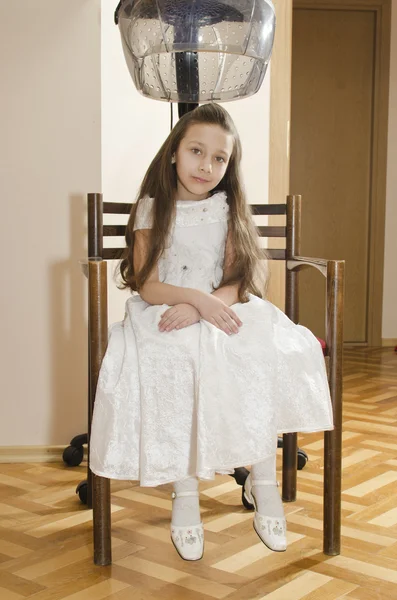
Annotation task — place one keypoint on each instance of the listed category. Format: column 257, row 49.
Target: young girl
column 202, row 374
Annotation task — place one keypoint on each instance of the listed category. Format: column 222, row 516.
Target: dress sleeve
column 144, row 214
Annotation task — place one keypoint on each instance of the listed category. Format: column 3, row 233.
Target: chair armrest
column 297, row 263
column 84, row 262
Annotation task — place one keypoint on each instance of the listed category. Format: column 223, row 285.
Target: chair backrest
column 97, row 231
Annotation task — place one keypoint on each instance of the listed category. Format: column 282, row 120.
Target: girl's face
column 201, row 160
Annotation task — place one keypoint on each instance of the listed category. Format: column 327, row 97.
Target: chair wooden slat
column 114, row 230
column 275, row 253
column 112, row 253
column 269, row 209
column 272, row 231
column 272, row 253
column 264, row 231
column 124, row 208
column 117, row 208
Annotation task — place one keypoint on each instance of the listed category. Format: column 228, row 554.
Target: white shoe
column 188, row 541
column 271, row 530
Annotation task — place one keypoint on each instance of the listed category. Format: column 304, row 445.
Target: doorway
column 339, row 95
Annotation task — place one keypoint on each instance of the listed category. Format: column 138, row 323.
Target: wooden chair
column 333, row 270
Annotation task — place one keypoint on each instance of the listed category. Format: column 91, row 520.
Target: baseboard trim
column 31, row 454
column 386, row 342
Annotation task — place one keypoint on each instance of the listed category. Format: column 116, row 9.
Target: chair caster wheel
column 302, row 459
column 73, row 456
column 245, row 502
column 82, row 491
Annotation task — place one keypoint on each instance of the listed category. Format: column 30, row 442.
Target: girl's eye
column 195, row 150
column 220, row 159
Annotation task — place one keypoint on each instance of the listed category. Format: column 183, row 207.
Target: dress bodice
column 196, row 250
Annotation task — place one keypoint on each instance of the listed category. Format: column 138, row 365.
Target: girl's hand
column 178, row 317
column 216, row 312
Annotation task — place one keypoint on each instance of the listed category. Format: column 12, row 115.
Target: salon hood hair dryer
column 196, row 51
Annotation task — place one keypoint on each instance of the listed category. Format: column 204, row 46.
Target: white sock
column 267, row 497
column 186, row 510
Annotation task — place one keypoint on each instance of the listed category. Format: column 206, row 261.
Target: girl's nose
column 207, row 167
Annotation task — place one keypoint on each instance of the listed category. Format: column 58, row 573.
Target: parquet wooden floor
column 45, row 533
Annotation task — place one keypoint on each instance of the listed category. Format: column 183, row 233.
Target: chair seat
column 323, row 346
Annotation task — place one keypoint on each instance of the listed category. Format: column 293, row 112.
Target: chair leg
column 102, row 520
column 293, row 244
column 98, row 335
column 333, row 439
column 290, row 466
column 332, row 493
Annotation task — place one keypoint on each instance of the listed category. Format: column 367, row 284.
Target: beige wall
column 49, row 157
column 51, row 125
column 389, row 325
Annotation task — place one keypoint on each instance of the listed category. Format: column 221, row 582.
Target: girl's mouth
column 201, row 180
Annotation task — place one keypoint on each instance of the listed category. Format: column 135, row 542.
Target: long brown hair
column 160, row 183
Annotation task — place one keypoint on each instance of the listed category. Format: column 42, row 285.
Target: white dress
column 195, row 402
